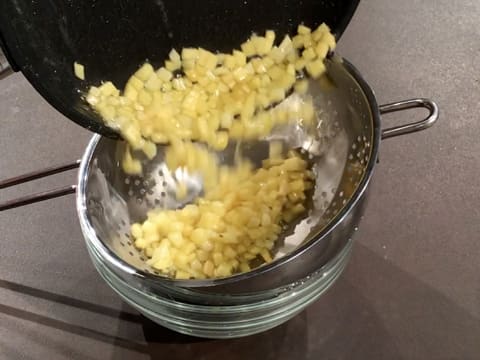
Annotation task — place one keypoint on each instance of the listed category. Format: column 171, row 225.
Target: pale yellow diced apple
column 316, row 68
column 145, row 71
column 164, row 74
column 79, row 70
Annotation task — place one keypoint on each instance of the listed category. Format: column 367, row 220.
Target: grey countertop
column 412, row 288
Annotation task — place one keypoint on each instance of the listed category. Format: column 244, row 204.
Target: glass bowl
column 188, row 311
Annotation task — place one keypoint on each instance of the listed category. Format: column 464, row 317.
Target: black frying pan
column 43, row 38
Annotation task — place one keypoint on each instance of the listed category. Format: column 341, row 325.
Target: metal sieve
column 343, row 150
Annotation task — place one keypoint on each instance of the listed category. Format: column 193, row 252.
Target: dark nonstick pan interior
column 43, row 38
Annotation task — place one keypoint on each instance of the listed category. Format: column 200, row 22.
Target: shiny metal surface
column 414, row 126
column 348, row 136
column 39, row 196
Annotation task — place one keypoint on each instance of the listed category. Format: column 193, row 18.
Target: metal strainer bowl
column 343, row 151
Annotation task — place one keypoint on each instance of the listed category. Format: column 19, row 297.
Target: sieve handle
column 414, row 126
column 41, row 196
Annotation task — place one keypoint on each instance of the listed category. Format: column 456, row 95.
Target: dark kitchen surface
column 412, row 288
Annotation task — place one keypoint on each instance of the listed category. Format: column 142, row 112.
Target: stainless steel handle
column 5, row 68
column 414, row 126
column 30, row 199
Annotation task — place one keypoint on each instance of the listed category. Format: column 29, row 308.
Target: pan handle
column 414, row 126
column 33, row 198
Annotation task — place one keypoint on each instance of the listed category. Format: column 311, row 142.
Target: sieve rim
column 121, row 265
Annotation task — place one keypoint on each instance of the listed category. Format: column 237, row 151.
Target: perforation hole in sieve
column 139, row 188
column 142, row 190
column 357, row 160
column 130, row 253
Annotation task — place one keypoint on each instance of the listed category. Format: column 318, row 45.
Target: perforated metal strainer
column 343, row 151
